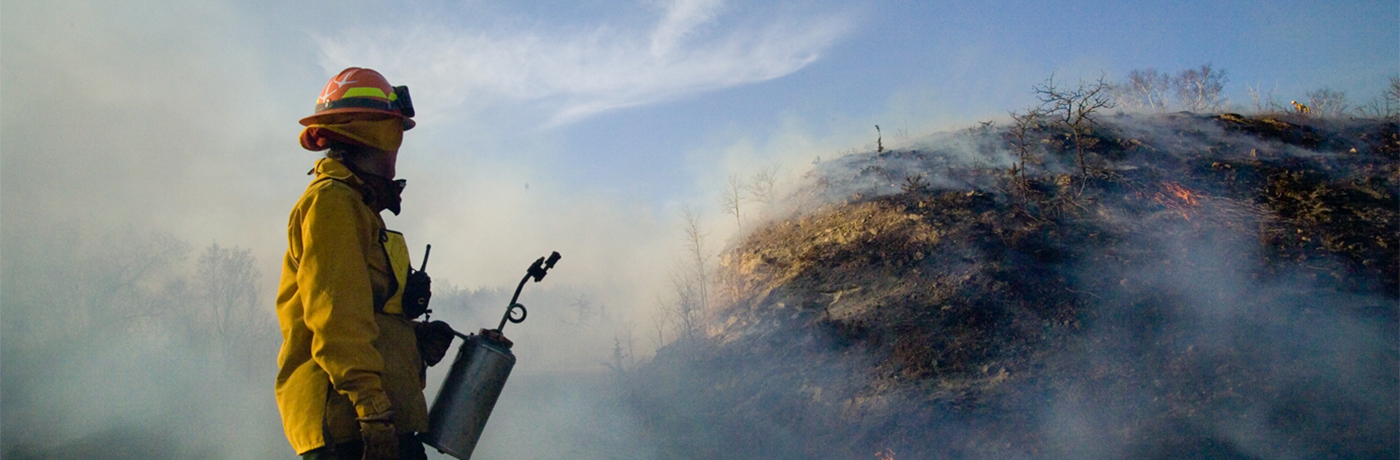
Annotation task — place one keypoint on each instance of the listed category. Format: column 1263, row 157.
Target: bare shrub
column 1019, row 133
column 1075, row 109
column 1328, row 102
column 914, row 184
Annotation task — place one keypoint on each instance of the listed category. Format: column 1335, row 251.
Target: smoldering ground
column 1198, row 355
column 1184, row 303
column 1145, row 327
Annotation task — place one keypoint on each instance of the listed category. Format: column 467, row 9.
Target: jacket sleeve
column 333, row 279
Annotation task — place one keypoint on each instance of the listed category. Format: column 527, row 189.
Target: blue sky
column 582, row 125
column 932, row 65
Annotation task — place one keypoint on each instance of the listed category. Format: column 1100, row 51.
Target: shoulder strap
column 396, row 252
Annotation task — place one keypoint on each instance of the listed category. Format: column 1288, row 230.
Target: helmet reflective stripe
column 361, row 103
column 367, row 91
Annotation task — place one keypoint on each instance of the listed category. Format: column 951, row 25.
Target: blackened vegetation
column 1214, row 286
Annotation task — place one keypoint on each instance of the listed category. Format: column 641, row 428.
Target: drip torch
column 474, row 382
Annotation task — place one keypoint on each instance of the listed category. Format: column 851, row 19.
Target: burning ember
column 1180, row 192
column 1177, row 198
column 886, row 454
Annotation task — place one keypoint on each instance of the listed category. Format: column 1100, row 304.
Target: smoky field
column 1165, row 286
column 1153, row 286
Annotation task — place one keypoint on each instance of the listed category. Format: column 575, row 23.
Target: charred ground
column 1216, row 286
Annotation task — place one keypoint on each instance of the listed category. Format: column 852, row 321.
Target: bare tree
column 1145, row 89
column 700, row 254
column 115, row 284
column 1263, row 102
column 603, row 315
column 1392, row 92
column 1199, row 89
column 764, row 185
column 693, row 282
column 1327, row 102
column 65, row 286
column 619, row 363
column 660, row 321
column 688, row 309
column 229, row 308
column 732, row 200
column 583, row 309
column 1075, row 109
column 1387, row 105
column 631, row 343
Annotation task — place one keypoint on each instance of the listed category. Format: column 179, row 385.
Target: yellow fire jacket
column 339, row 306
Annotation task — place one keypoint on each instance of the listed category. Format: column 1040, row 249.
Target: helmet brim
column 332, row 116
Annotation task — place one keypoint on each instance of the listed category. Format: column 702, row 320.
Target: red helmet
column 356, row 91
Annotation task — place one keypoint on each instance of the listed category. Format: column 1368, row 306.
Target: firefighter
column 1300, row 108
column 350, row 378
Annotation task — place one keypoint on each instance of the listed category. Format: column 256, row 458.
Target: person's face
column 390, row 159
column 381, row 162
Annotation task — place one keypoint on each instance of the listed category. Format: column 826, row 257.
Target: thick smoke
column 1198, row 324
column 115, row 346
column 128, row 344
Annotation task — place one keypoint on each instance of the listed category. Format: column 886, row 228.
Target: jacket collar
column 329, row 168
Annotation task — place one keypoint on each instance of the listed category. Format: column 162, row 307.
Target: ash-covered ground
column 1214, row 287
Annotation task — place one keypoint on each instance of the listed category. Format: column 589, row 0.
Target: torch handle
column 426, row 253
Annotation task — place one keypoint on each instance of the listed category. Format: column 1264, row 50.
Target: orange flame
column 886, row 454
column 1180, row 192
column 1177, row 198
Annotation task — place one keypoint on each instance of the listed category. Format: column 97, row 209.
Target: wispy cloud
column 693, row 46
column 681, row 19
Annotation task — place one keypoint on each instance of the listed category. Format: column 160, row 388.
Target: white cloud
column 579, row 72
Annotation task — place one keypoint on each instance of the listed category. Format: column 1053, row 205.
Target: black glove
column 381, row 442
column 433, row 340
column 416, row 292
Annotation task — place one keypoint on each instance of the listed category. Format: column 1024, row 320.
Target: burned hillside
column 1215, row 286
